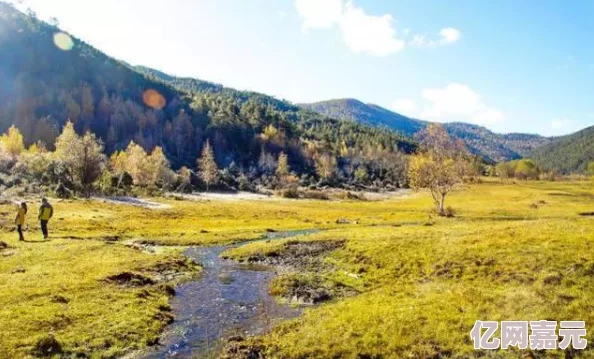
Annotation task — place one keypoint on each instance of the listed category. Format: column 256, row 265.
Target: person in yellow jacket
column 20, row 220
column 46, row 211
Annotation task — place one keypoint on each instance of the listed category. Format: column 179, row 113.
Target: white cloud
column 365, row 33
column 361, row 32
column 459, row 102
column 449, row 35
column 319, row 13
column 404, row 106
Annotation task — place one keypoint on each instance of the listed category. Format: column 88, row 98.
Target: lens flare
column 153, row 99
column 63, row 41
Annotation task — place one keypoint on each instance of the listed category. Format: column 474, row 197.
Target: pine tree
column 207, row 165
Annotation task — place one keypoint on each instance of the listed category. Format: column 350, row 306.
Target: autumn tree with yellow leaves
column 207, row 165
column 11, row 142
column 440, row 165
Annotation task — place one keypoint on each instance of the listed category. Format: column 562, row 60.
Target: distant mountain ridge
column 369, row 114
column 481, row 141
column 567, row 154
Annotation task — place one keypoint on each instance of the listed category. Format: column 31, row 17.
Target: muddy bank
column 301, row 280
column 229, row 300
column 159, row 278
column 295, row 255
column 301, row 266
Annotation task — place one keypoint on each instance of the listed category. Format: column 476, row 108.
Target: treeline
column 44, row 86
column 78, row 165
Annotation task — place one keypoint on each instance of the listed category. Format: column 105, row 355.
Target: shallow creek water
column 228, row 299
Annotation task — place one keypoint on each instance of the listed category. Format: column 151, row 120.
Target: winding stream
column 228, row 299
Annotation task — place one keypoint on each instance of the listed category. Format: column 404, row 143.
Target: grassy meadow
column 513, row 252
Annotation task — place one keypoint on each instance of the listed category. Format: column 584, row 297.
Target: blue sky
column 513, row 66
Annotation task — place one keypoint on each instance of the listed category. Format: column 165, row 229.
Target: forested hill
column 42, row 85
column 480, row 140
column 356, row 110
column 567, row 154
column 495, row 146
column 48, row 78
column 193, row 87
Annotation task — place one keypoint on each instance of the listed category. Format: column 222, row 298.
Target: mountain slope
column 567, row 154
column 494, row 146
column 43, row 85
column 195, row 86
column 481, row 141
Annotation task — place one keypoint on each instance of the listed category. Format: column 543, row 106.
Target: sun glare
column 63, row 41
column 153, row 99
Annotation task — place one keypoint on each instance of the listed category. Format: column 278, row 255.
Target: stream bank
column 228, row 300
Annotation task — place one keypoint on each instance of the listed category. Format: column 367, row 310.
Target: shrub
column 348, row 195
column 289, row 193
column 315, row 195
column 449, row 212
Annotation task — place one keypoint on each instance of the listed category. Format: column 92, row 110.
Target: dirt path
column 222, row 196
column 249, row 196
column 132, row 201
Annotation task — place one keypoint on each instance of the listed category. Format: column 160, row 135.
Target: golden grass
column 513, row 251
column 422, row 287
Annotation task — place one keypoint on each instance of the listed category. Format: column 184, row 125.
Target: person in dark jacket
column 46, row 211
